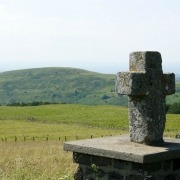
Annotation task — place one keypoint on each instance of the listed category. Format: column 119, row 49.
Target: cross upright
column 146, row 87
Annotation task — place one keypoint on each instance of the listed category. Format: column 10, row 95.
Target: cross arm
column 131, row 83
column 169, row 83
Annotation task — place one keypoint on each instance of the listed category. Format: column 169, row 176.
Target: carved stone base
column 95, row 167
column 116, row 158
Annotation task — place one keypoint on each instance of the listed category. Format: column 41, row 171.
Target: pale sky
column 95, row 35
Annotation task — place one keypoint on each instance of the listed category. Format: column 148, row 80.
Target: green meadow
column 55, row 121
column 67, row 120
column 32, row 137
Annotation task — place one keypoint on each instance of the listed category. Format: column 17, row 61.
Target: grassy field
column 35, row 161
column 96, row 116
column 45, row 160
column 10, row 129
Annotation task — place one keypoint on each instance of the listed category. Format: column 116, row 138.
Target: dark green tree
column 174, row 108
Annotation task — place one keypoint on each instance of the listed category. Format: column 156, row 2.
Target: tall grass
column 103, row 116
column 172, row 124
column 46, row 160
column 54, row 121
column 25, row 130
column 35, row 160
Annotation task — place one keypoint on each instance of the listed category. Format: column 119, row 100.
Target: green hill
column 58, row 85
column 62, row 85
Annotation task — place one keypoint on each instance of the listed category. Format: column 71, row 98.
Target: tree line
column 34, row 103
column 173, row 108
column 170, row 108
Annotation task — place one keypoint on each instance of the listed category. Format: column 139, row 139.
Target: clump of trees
column 170, row 108
column 34, row 103
column 173, row 108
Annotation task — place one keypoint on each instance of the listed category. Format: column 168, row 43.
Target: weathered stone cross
column 146, row 87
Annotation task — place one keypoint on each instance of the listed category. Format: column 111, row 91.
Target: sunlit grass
column 172, row 124
column 44, row 159
column 104, row 116
column 35, row 160
column 54, row 121
column 10, row 129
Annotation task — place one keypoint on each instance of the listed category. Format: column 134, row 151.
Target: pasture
column 37, row 152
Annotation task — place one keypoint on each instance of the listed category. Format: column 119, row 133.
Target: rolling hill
column 58, row 85
column 62, row 85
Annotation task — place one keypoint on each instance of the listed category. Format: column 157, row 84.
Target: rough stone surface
column 120, row 147
column 147, row 87
column 132, row 170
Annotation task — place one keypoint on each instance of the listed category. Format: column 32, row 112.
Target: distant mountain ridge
column 59, row 85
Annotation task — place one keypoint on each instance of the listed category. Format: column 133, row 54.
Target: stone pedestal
column 116, row 158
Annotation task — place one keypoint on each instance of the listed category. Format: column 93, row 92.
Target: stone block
column 166, row 165
column 82, row 158
column 169, row 83
column 120, row 147
column 89, row 170
column 134, row 177
column 140, row 177
column 170, row 177
column 100, row 161
column 100, row 173
column 119, row 164
column 133, row 84
column 145, row 61
column 176, row 164
column 115, row 176
column 148, row 167
column 152, row 167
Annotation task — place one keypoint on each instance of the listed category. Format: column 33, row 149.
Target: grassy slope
column 47, row 160
column 62, row 120
column 69, row 120
column 62, row 85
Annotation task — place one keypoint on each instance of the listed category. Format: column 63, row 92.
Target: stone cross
column 146, row 87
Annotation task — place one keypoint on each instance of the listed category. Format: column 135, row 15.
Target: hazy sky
column 96, row 35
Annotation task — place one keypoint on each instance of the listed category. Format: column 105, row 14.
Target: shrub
column 174, row 108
